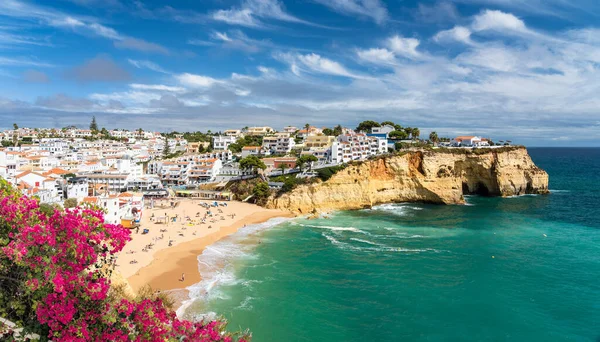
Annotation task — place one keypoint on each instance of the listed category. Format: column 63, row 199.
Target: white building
column 264, row 130
column 385, row 129
column 35, row 184
column 469, row 141
column 280, row 143
column 204, row 170
column 55, row 146
column 350, row 147
column 77, row 187
column 233, row 133
column 222, row 142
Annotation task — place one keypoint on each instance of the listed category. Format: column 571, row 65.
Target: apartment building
column 263, row 130
column 55, row 146
column 186, row 170
column 318, row 141
column 280, row 143
column 359, row 146
column 322, row 154
column 204, row 170
column 290, row 129
column 233, row 133
column 222, row 142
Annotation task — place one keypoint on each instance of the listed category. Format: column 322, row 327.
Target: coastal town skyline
column 299, row 170
column 527, row 72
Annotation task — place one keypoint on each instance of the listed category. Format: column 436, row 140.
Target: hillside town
column 119, row 169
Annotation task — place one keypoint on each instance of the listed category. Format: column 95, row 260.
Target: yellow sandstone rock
column 431, row 176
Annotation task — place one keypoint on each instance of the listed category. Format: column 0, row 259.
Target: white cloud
column 243, row 17
column 458, row 33
column 157, row 87
column 23, row 61
column 377, row 56
column 143, row 64
column 498, row 21
column 323, row 65
column 105, row 32
column 195, row 81
column 494, row 58
column 81, row 25
column 406, row 47
column 251, row 12
column 66, row 22
column 221, row 36
column 373, row 9
column 237, row 40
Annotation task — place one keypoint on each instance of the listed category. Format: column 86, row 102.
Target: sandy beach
column 161, row 266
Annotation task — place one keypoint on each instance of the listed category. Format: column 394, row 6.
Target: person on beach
column 182, row 276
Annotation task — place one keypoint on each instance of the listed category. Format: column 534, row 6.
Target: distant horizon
column 526, row 71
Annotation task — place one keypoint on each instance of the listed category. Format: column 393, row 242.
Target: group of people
column 213, row 213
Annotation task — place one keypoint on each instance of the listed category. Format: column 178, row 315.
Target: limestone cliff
column 432, row 176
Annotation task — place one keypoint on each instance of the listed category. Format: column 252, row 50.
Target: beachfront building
column 112, row 181
column 144, row 183
column 469, row 141
column 260, row 130
column 356, row 146
column 108, row 203
column 186, row 170
column 231, row 171
column 204, row 170
column 222, row 142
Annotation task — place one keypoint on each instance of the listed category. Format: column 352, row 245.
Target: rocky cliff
column 432, row 176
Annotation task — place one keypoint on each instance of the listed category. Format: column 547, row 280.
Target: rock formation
column 431, row 176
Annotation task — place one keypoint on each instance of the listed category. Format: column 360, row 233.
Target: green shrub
column 326, row 173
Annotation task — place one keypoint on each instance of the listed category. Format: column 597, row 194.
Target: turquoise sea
column 513, row 269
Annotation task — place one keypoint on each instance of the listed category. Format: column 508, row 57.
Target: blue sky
column 525, row 70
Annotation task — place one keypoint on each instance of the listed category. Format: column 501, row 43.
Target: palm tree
column 433, row 137
column 307, row 127
column 416, row 133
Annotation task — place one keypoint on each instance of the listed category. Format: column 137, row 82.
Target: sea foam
column 216, row 264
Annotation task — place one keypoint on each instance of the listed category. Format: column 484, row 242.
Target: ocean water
column 513, row 269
